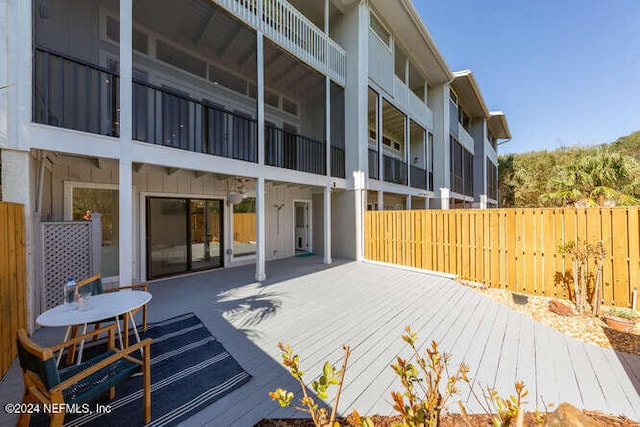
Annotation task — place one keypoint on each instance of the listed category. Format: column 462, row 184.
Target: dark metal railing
column 395, row 170
column 337, row 162
column 73, row 94
column 418, row 177
column 373, row 164
column 291, row 151
column 164, row 117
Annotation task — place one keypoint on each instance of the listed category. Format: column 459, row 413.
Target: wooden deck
column 317, row 308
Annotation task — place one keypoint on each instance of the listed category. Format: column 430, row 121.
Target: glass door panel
column 167, row 236
column 206, row 234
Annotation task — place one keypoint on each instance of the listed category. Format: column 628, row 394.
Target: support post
column 380, row 200
column 125, row 172
column 379, row 128
column 408, row 203
column 358, row 179
column 261, row 274
column 483, row 201
column 260, row 94
column 444, row 198
column 327, row 225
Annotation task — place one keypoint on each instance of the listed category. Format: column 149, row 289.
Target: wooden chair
column 94, row 283
column 44, row 383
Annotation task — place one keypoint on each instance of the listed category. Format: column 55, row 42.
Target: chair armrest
column 119, row 354
column 76, row 340
column 143, row 286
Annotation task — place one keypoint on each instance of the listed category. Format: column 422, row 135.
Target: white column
column 408, row 204
column 444, row 198
column 426, row 203
column 260, row 95
column 379, row 128
column 260, row 235
column 326, row 17
column 327, row 225
column 358, row 179
column 407, row 149
column 125, row 173
column 483, row 201
column 380, row 200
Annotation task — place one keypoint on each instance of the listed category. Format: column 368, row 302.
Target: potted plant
column 621, row 319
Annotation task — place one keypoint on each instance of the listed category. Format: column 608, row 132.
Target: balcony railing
column 73, row 94
column 373, row 164
column 164, row 117
column 337, row 162
column 291, row 151
column 418, row 178
column 395, row 170
column 290, row 29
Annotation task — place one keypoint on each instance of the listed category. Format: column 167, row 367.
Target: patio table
column 102, row 306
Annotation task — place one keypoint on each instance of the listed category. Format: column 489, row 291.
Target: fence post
column 96, row 242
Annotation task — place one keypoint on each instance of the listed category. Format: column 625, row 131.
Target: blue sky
column 565, row 72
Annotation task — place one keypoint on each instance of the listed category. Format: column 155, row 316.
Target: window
column 272, row 98
column 464, row 119
column 378, row 28
column 244, row 227
column 492, row 180
column 460, row 168
column 289, row 106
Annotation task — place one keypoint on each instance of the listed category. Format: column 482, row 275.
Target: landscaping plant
column 581, row 252
column 330, row 376
column 423, row 402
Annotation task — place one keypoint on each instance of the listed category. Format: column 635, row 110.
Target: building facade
column 216, row 133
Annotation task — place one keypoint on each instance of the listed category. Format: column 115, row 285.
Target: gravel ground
column 584, row 328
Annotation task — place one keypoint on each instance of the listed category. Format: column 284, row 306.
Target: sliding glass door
column 183, row 235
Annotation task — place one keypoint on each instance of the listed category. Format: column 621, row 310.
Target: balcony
column 74, row 94
column 291, row 30
column 291, row 151
column 163, row 117
column 395, row 170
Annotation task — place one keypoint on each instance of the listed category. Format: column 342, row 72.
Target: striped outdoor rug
column 190, row 369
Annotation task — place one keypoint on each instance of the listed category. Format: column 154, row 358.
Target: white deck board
column 318, row 308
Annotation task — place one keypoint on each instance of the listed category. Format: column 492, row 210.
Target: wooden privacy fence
column 13, row 282
column 515, row 249
column 244, row 227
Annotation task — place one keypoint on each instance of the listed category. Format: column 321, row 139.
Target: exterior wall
column 439, row 99
column 155, row 181
column 343, row 224
column 478, row 131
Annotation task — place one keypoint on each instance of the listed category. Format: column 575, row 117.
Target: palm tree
column 601, row 178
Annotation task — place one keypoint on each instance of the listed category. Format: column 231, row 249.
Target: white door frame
column 143, row 225
column 310, row 224
column 68, row 187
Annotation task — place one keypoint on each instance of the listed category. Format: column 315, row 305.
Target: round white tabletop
column 103, row 306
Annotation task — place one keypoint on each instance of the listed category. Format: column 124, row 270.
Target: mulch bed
column 452, row 420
